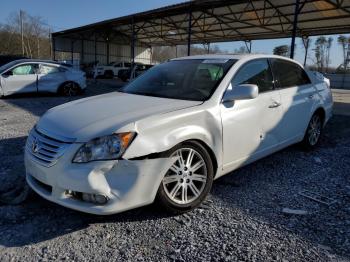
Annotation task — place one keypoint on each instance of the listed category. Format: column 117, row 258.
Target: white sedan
column 28, row 76
column 168, row 134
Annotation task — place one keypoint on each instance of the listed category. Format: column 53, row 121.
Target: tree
column 36, row 41
column 282, row 50
column 322, row 52
column 345, row 44
column 163, row 53
column 241, row 50
column 306, row 43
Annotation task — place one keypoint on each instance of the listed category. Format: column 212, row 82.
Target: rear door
column 297, row 98
column 50, row 77
column 20, row 79
column 250, row 126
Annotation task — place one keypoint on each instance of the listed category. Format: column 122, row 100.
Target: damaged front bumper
column 126, row 184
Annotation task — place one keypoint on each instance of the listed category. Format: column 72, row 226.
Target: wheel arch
column 322, row 112
column 211, row 153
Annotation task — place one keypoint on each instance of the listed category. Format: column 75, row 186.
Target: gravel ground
column 242, row 219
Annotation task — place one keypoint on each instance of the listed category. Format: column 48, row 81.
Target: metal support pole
column 95, row 50
column 82, row 52
column 295, row 24
column 176, row 51
column 107, row 52
column 248, row 45
column 53, row 48
column 21, row 20
column 151, row 56
column 189, row 33
column 72, row 51
column 133, row 36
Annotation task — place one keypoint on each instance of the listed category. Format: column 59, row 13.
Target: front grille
column 44, row 149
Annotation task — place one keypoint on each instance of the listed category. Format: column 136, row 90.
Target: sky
column 64, row 14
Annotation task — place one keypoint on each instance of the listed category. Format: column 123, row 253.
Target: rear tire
column 70, row 89
column 313, row 132
column 188, row 181
column 108, row 74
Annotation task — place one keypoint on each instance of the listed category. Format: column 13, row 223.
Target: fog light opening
column 98, row 199
column 95, row 198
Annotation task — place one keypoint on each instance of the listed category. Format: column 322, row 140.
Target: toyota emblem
column 35, row 146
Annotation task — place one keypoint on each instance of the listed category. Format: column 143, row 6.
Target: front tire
column 313, row 132
column 189, row 179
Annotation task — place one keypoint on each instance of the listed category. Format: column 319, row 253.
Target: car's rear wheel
column 313, row 132
column 70, row 89
column 189, row 179
column 108, row 74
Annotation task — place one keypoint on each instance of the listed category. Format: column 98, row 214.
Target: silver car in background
column 28, row 76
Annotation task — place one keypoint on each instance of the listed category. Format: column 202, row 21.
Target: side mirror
column 8, row 73
column 241, row 92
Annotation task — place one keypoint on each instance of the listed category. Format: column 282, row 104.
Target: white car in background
column 173, row 130
column 321, row 77
column 28, row 76
column 110, row 70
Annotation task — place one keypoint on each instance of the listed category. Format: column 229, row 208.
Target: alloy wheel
column 187, row 177
column 70, row 89
column 314, row 130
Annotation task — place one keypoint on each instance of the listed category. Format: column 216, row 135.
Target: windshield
column 7, row 66
column 194, row 79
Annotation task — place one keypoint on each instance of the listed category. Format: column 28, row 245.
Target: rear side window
column 255, row 72
column 288, row 74
column 48, row 69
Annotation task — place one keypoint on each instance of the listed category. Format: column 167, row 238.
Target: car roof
column 22, row 61
column 235, row 56
column 38, row 61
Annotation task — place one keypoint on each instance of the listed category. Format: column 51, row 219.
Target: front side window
column 288, row 74
column 256, row 72
column 192, row 79
column 47, row 69
column 28, row 69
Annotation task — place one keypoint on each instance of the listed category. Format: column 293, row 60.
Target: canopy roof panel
column 220, row 21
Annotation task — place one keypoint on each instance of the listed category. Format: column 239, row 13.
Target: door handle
column 274, row 104
column 311, row 96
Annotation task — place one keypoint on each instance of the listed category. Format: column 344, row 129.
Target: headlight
column 104, row 148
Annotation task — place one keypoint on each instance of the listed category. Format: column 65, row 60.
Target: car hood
column 88, row 118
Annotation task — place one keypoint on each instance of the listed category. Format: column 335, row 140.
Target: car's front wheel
column 189, row 179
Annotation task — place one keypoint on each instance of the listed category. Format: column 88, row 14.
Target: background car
column 321, row 77
column 27, row 76
column 139, row 69
column 110, row 70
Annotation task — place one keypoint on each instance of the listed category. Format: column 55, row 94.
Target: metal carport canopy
column 221, row 21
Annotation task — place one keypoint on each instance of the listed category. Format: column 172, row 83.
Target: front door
column 21, row 79
column 250, row 126
column 297, row 98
